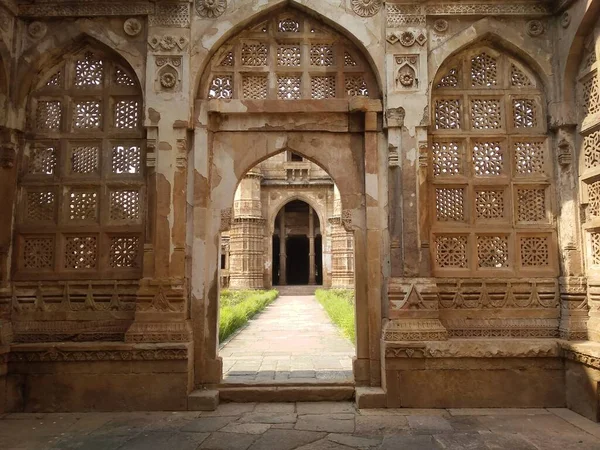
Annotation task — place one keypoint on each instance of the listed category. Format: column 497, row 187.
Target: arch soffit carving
column 39, row 59
column 497, row 36
column 228, row 26
column 273, row 211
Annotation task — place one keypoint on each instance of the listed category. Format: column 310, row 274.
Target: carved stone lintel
column 148, row 332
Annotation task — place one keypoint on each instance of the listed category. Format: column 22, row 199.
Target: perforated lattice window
column 82, row 184
column 288, row 57
column 490, row 169
column 588, row 98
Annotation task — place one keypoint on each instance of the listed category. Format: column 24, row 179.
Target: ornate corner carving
column 392, row 38
column 407, row 38
column 132, row 26
column 366, row 8
column 8, row 155
column 535, row 28
column 37, row 30
column 440, row 25
column 210, row 9
column 407, row 71
column 168, row 43
column 395, row 117
column 565, row 19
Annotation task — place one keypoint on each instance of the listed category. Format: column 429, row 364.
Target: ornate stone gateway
column 462, row 138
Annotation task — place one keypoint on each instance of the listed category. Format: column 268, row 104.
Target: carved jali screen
column 289, row 57
column 81, row 180
column 490, row 191
column 589, row 157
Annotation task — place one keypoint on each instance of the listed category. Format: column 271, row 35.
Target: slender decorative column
column 282, row 249
column 311, row 246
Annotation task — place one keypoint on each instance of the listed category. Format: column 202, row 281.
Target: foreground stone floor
column 292, row 340
column 303, row 426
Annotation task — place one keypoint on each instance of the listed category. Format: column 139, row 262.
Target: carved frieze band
column 56, row 355
column 82, row 9
column 472, row 349
column 588, row 360
column 412, row 15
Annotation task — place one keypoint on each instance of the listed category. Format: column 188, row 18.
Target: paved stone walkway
column 292, row 340
column 303, row 426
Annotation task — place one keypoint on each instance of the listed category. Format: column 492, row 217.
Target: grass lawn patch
column 339, row 304
column 237, row 307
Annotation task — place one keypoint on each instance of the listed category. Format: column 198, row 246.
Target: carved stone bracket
column 347, row 220
column 8, row 154
column 395, row 117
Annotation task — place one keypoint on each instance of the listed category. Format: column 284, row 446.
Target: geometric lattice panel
column 591, row 95
column 447, row 114
column 593, row 190
column 489, row 203
column 124, row 205
column 487, row 158
column 124, row 251
column 289, row 87
column 524, row 113
column 254, row 55
column 321, row 55
column 48, row 116
column 255, row 87
column 322, row 87
column 486, row 114
column 221, row 87
column 484, row 71
column 43, row 160
column 126, row 159
column 591, row 149
column 447, row 158
column 535, row 251
column 450, row 204
column 83, row 205
column 529, row 157
column 87, row 115
column 127, row 114
column 595, row 247
column 41, row 206
column 289, row 56
column 492, row 251
column 88, row 71
column 38, row 253
column 81, row 252
column 356, row 86
column 451, row 251
column 84, row 159
column 531, row 204
column 518, row 77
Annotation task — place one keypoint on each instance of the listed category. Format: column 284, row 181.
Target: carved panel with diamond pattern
column 489, row 149
column 82, row 181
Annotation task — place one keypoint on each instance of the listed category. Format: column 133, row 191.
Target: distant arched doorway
column 297, row 240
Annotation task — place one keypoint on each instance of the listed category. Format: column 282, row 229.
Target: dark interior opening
column 223, row 261
column 319, row 260
column 295, row 157
column 275, row 264
column 297, row 260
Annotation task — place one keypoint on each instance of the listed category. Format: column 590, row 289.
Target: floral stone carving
column 210, row 8
column 535, row 28
column 366, row 8
column 37, row 30
column 132, row 27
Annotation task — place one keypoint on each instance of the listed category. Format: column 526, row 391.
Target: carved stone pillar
column 282, row 249
column 311, row 247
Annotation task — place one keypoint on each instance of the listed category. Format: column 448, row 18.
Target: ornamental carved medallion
column 210, row 8
column 366, row 8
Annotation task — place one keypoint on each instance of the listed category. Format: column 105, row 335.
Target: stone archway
column 235, row 133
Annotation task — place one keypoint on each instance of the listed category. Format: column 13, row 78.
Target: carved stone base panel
column 574, row 310
column 587, row 353
column 161, row 297
column 410, row 297
column 76, row 299
column 159, row 332
column 481, row 348
column 414, row 330
column 56, row 331
column 501, row 328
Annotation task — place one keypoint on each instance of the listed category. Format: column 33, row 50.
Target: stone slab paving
column 292, row 340
column 303, row 426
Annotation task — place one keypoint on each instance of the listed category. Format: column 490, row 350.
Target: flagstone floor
column 303, row 426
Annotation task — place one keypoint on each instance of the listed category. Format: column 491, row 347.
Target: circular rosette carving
column 440, row 25
column 535, row 28
column 406, row 79
column 37, row 30
column 565, row 20
column 366, row 8
column 210, row 8
column 407, row 38
column 132, row 27
column 168, row 80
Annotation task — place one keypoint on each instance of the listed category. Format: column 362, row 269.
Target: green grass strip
column 339, row 305
column 237, row 307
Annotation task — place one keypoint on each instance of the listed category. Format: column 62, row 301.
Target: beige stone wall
column 369, row 121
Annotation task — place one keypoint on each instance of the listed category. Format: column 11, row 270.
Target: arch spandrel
column 367, row 41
